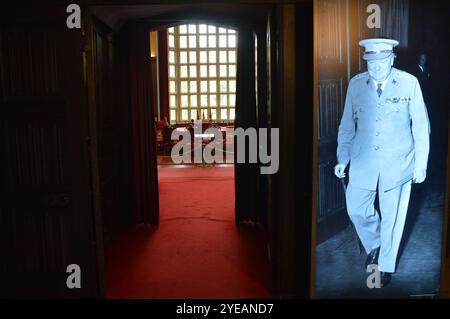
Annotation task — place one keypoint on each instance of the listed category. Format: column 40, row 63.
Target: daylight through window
column 202, row 72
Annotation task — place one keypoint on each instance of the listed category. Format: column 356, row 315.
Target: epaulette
column 404, row 75
column 360, row 75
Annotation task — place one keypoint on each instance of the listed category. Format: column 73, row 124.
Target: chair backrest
column 160, row 124
column 167, row 133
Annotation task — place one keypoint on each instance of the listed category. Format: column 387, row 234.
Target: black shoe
column 372, row 258
column 385, row 278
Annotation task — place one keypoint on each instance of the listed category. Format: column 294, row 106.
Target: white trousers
column 373, row 232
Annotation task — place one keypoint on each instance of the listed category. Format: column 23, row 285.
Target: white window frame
column 231, row 94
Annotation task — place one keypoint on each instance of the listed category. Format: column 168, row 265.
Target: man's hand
column 339, row 170
column 419, row 175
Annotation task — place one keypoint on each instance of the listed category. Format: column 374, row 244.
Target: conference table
column 227, row 135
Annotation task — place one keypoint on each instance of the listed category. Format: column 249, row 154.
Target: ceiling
column 115, row 16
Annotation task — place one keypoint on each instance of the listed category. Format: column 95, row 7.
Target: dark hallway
column 194, row 237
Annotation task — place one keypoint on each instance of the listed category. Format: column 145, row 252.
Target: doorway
column 147, row 257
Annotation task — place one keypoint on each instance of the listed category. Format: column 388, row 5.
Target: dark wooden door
column 46, row 216
column 333, row 80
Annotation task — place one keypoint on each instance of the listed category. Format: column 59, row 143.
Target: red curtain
column 145, row 194
column 163, row 75
column 247, row 175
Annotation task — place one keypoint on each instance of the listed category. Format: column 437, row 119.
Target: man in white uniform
column 384, row 135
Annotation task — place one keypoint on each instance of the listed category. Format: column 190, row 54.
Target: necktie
column 379, row 90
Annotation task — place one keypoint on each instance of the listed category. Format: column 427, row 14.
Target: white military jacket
column 384, row 138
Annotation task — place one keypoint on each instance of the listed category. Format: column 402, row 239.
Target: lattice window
column 202, row 72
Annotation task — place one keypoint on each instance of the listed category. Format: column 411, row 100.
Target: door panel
column 333, row 79
column 45, row 201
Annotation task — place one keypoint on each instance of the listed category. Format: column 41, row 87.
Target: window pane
column 212, row 71
column 212, row 86
column 212, row 56
column 183, row 57
column 223, row 70
column 204, row 100
column 203, row 71
column 212, row 100
column 184, row 87
column 183, row 42
column 217, row 90
column 172, row 71
column 203, row 57
column 171, row 56
column 204, row 86
column 171, row 41
column 231, row 56
column 223, row 86
column 231, row 114
column 212, row 41
column 232, row 86
column 173, row 88
column 193, row 86
column 223, row 56
column 203, row 39
column 213, row 114
column 183, row 71
column 231, row 41
column 192, row 41
column 184, row 101
column 223, row 100
column 223, row 114
column 193, row 100
column 193, row 71
column 202, row 28
column 222, row 41
column 192, row 57
column 232, row 100
column 173, row 101
column 232, row 71
column 192, row 28
column 183, row 28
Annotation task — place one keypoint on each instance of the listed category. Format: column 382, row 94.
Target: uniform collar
column 383, row 83
column 392, row 78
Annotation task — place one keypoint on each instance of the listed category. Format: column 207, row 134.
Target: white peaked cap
column 377, row 48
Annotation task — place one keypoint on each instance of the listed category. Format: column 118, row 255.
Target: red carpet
column 197, row 251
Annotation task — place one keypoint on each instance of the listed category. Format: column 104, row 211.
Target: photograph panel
column 382, row 122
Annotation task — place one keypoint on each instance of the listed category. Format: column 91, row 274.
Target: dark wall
column 429, row 33
column 291, row 111
column 304, row 147
column 107, row 133
column 112, row 128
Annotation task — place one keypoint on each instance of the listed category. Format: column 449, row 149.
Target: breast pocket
column 397, row 109
column 397, row 105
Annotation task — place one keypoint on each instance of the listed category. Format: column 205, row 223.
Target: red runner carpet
column 197, row 251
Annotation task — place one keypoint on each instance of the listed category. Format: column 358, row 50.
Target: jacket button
column 378, row 119
column 377, row 148
column 377, row 133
